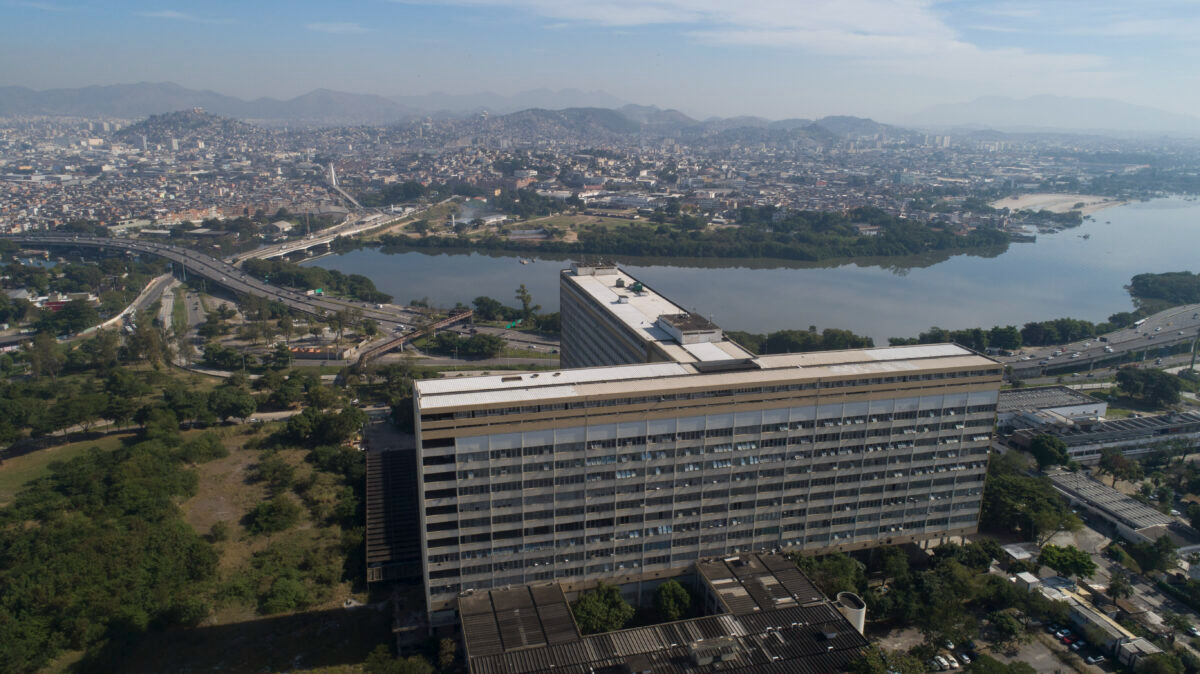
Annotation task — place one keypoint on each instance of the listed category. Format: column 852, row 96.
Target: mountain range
column 320, row 106
column 327, row 107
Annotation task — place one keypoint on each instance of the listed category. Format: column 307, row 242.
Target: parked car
column 965, row 657
column 1094, row 659
column 1070, row 639
column 1078, row 645
column 1064, row 632
column 1193, row 630
column 942, row 663
column 953, row 663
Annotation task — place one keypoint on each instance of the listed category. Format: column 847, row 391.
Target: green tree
column 281, row 357
column 1176, row 621
column 528, row 308
column 1010, row 630
column 672, row 600
column 232, row 401
column 381, row 661
column 277, row 473
column 277, row 514
column 1068, row 560
column 286, row 594
column 1119, row 466
column 1048, row 451
column 877, row 661
column 602, row 610
column 45, row 358
column 1159, row 663
column 1119, row 586
column 447, row 654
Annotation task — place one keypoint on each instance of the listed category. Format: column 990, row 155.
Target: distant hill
column 589, row 124
column 1057, row 113
column 184, row 125
column 457, row 104
column 152, row 98
column 558, row 115
column 853, row 127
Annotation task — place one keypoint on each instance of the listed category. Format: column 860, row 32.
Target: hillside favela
column 599, row 337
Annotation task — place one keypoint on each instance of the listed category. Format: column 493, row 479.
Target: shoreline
column 1057, row 202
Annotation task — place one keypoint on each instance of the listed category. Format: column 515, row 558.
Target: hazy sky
column 776, row 58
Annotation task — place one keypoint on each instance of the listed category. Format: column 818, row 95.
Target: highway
column 1165, row 329
column 223, row 274
column 354, row 224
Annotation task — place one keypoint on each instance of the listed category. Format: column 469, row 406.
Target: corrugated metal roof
column 796, row 639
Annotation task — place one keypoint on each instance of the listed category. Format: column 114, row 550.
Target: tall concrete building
column 629, row 473
column 611, row 318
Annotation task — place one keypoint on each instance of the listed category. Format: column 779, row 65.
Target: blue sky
column 776, row 58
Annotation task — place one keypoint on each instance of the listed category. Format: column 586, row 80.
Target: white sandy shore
column 1056, row 203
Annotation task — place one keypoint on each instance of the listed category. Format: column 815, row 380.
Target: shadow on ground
column 306, row 640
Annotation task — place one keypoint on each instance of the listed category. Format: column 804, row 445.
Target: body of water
column 1060, row 275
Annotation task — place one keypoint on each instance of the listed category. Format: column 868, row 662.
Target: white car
column 953, row 663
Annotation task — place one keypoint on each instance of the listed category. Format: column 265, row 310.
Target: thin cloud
column 44, row 6
column 173, row 15
column 915, row 37
column 338, row 28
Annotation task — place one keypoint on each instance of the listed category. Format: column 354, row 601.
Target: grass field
column 179, row 312
column 19, row 471
column 581, row 222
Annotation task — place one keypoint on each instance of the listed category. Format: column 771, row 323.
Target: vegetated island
column 673, row 231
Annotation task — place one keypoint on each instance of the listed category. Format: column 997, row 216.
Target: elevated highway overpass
column 1158, row 334
column 216, row 271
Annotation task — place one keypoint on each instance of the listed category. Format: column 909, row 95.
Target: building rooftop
column 652, row 378
column 1134, row 514
column 1040, row 398
column 631, row 302
column 752, row 583
column 532, row 629
column 1118, row 430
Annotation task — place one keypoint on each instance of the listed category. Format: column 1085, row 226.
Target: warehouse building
column 1086, row 440
column 1032, row 407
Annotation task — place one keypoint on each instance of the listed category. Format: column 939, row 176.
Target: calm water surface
column 1061, row 274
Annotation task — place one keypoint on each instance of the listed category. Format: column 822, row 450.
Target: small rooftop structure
column 1020, row 552
column 1041, row 398
column 781, row 624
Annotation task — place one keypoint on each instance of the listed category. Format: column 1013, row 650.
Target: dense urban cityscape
column 553, row 381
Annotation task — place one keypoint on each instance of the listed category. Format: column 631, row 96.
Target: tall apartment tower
column 611, row 318
column 629, row 473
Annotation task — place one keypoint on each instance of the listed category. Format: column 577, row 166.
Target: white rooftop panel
column 918, row 351
column 497, row 396
column 705, row 351
column 428, row 387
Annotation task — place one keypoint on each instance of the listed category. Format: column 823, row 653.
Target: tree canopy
column 1068, row 560
column 602, row 610
column 1048, row 450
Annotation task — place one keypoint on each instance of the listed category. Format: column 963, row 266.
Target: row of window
column 581, row 563
column 658, row 453
column 751, row 460
column 763, row 478
column 708, row 509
